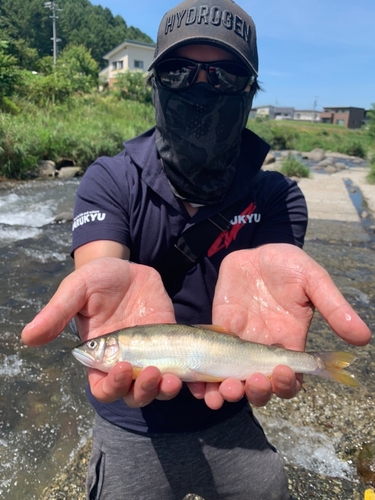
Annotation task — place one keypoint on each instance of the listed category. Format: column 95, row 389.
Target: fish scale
column 204, row 353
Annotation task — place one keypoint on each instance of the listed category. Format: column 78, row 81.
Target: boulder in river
column 366, row 464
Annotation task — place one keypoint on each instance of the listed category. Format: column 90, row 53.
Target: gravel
column 341, row 416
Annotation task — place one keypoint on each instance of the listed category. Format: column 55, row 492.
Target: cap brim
column 206, row 41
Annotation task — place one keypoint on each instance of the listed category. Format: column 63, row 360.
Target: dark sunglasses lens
column 225, row 76
column 229, row 78
column 176, row 74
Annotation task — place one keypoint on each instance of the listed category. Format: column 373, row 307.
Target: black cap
column 215, row 22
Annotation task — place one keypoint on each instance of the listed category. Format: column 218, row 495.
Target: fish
column 204, row 353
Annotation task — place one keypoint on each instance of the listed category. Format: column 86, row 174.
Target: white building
column 306, row 115
column 263, row 112
column 129, row 55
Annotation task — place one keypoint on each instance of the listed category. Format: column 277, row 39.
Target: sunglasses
column 227, row 77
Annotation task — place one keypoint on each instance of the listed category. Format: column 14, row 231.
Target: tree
column 9, row 74
column 78, row 66
column 27, row 25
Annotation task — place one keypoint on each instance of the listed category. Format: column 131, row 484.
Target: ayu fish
column 204, row 353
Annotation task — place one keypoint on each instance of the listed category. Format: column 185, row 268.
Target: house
column 346, row 116
column 284, row 113
column 263, row 112
column 306, row 115
column 129, row 55
column 272, row 113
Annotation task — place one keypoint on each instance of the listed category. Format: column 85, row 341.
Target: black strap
column 196, row 240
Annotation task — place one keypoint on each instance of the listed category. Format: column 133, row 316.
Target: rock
column 316, row 154
column 364, row 214
column 64, row 217
column 270, row 158
column 69, row 172
column 366, row 464
column 331, row 169
column 324, row 163
column 47, row 169
column 340, row 166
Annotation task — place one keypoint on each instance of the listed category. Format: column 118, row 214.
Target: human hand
column 104, row 295
column 268, row 295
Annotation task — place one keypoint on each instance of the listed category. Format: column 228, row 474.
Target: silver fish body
column 196, row 353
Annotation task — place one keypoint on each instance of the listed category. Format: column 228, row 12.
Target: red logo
column 225, row 239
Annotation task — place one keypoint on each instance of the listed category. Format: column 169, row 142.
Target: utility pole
column 54, row 7
column 314, row 107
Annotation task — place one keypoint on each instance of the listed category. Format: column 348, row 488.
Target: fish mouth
column 83, row 357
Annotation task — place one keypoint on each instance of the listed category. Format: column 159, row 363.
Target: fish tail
column 334, row 364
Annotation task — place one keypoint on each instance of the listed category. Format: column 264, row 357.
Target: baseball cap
column 215, row 22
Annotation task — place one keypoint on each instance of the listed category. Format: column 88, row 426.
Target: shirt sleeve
column 284, row 214
column 101, row 205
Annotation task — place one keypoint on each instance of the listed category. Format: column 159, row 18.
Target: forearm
column 100, row 248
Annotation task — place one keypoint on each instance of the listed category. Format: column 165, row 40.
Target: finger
column 258, row 389
column 213, row 398
column 69, row 298
column 169, row 387
column 146, row 388
column 334, row 308
column 284, row 382
column 112, row 386
column 232, row 389
column 198, row 389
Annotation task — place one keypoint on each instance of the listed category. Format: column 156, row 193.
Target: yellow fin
column 136, row 371
column 334, row 364
column 215, row 328
column 339, row 359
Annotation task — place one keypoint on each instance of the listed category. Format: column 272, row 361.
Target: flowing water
column 44, row 416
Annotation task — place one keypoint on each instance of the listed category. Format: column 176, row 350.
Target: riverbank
column 320, row 433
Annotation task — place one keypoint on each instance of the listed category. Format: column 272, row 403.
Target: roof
column 341, row 107
column 136, row 43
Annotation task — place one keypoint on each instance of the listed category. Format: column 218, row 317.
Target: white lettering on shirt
column 87, row 217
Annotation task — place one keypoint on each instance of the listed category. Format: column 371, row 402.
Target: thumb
column 68, row 300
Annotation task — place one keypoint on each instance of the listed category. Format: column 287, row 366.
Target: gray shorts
column 232, row 460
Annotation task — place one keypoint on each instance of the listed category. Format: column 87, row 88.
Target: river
column 44, row 415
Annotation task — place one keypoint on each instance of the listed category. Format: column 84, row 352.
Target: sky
column 312, row 53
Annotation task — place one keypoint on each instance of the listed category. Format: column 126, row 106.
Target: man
column 156, row 437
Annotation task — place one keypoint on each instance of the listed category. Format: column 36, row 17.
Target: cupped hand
column 268, row 295
column 104, row 295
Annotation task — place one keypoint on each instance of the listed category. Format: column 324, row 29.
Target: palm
column 261, row 296
column 121, row 294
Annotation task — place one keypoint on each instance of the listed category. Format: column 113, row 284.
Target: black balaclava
column 198, row 138
column 198, row 131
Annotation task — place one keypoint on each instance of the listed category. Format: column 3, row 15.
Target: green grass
column 80, row 132
column 292, row 167
column 90, row 126
column 307, row 136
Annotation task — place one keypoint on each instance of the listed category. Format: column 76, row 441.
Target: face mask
column 198, row 137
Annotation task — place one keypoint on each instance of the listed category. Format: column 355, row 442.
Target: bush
column 132, row 86
column 371, row 176
column 80, row 130
column 292, row 167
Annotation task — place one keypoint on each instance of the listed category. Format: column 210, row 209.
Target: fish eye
column 92, row 344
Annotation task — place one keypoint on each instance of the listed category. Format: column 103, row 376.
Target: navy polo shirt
column 128, row 199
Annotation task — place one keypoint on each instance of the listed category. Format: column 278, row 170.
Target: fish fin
column 216, row 328
column 136, row 371
column 334, row 367
column 203, row 377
